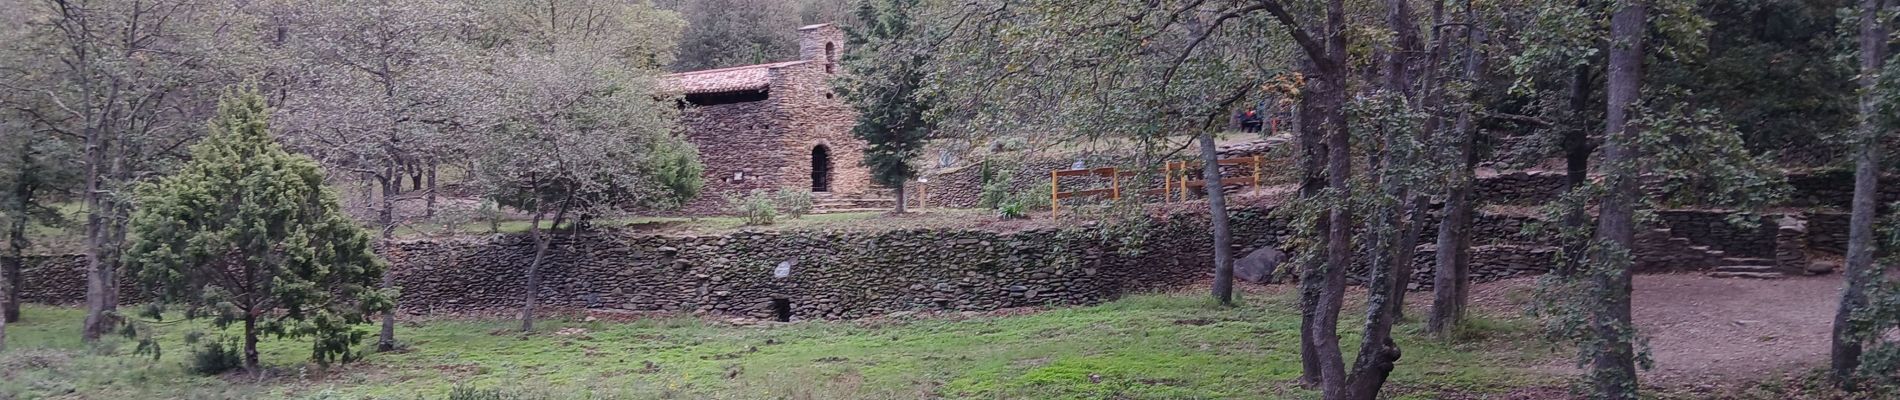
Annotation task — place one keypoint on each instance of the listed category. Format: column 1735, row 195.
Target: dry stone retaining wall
column 841, row 275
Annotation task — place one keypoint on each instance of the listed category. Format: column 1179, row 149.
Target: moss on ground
column 1147, row 346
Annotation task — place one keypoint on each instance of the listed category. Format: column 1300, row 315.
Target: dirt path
column 1705, row 329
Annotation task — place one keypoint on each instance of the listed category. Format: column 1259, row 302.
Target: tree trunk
column 1452, row 280
column 10, row 266
column 541, row 239
column 250, row 345
column 13, row 260
column 1861, row 272
column 533, row 288
column 1312, row 186
column 1217, row 214
column 386, row 216
column 99, row 305
column 1613, row 368
column 1400, row 76
column 3, row 321
column 1339, row 224
column 429, row 211
column 898, row 190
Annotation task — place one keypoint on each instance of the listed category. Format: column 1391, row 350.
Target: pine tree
column 248, row 234
column 887, row 64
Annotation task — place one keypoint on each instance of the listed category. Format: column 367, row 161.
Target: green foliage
column 1034, row 199
column 758, row 208
column 247, row 232
column 1872, row 324
column 794, row 202
column 490, row 212
column 214, row 357
column 726, row 33
column 1011, row 211
column 886, row 64
column 995, row 187
column 675, row 167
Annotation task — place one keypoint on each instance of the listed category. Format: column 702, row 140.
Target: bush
column 491, row 212
column 995, row 191
column 453, row 216
column 1034, row 199
column 215, row 357
column 1011, row 211
column 795, row 203
column 757, row 208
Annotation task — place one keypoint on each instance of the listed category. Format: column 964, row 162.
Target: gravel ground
column 1706, row 331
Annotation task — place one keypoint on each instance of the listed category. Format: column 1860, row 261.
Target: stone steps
column 1748, row 275
column 1746, row 268
column 847, row 210
column 1747, row 271
column 828, row 203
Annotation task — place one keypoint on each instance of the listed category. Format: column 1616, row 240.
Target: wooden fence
column 1175, row 187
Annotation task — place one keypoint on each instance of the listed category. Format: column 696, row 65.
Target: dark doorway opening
column 782, row 310
column 820, row 168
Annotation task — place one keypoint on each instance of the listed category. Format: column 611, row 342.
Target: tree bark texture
column 386, row 216
column 1331, row 91
column 1312, row 187
column 898, row 190
column 533, row 289
column 1452, row 279
column 541, row 239
column 1861, row 272
column 1613, row 367
column 1217, row 213
column 251, row 364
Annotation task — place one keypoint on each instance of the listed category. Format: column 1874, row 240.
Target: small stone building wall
column 768, row 144
column 733, row 145
column 814, row 116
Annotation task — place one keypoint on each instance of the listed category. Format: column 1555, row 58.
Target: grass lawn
column 1147, row 346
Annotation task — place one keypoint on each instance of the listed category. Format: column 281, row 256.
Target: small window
column 831, row 57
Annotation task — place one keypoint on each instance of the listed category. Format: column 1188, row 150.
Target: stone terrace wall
column 1713, row 229
column 838, row 275
column 1835, row 189
column 832, row 275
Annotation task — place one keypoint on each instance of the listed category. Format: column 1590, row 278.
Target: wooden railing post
column 1055, row 203
column 1167, row 182
column 1256, row 171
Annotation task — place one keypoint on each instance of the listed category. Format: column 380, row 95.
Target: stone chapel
column 774, row 125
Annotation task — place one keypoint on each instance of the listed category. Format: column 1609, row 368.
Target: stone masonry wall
column 735, row 145
column 831, row 275
column 1713, row 229
column 814, row 115
column 841, row 275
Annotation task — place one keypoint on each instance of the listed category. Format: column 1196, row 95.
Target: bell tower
column 822, row 43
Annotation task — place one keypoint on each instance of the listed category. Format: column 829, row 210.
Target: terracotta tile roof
column 730, row 79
